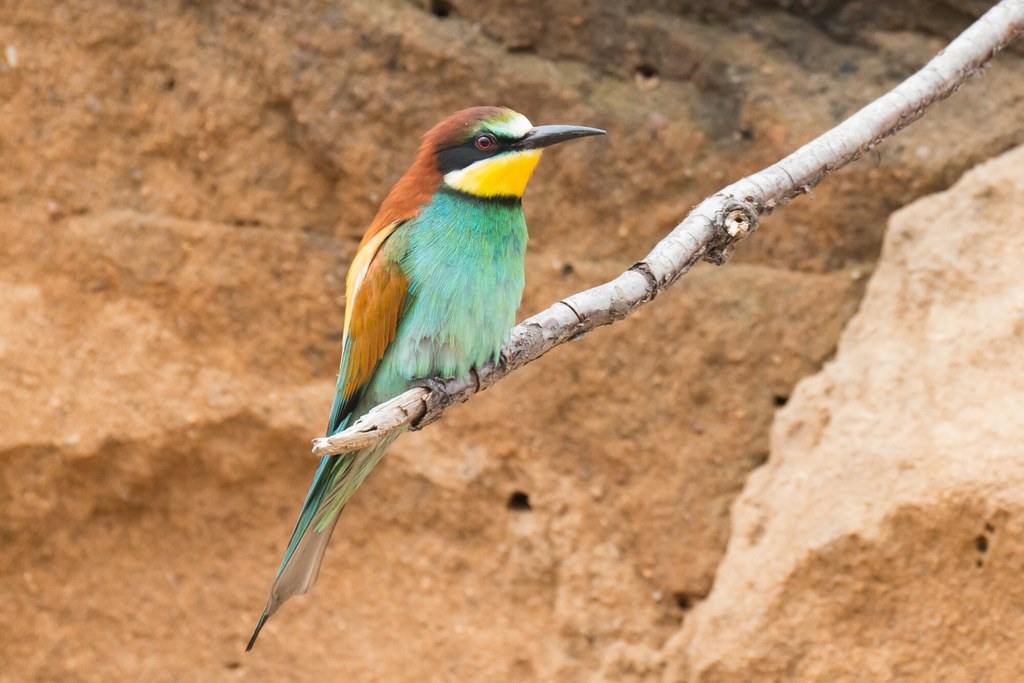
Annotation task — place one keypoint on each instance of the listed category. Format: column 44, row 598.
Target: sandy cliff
column 181, row 188
column 883, row 539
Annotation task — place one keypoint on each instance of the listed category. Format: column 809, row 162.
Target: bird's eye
column 485, row 142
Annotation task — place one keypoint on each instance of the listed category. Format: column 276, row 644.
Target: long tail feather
column 256, row 632
column 306, row 547
column 336, row 479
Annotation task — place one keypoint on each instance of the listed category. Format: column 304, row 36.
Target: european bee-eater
column 432, row 291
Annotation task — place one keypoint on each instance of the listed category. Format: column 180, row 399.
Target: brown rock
column 883, row 540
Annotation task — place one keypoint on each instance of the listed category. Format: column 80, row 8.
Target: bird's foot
column 437, row 401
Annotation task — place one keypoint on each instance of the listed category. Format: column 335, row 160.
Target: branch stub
column 733, row 221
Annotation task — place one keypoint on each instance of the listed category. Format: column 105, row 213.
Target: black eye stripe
column 455, row 158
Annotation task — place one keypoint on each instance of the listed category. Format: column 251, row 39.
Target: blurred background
column 182, row 186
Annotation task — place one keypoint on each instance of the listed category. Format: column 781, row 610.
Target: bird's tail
column 336, row 479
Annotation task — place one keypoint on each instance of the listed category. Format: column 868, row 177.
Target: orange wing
column 375, row 295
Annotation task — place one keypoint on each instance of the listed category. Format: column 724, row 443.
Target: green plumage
column 463, row 258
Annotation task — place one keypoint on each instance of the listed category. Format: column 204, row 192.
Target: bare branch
column 709, row 232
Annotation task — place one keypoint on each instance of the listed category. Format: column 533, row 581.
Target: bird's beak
column 544, row 136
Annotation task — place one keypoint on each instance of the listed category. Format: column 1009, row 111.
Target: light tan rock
column 884, row 539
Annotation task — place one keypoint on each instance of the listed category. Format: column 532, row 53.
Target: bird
column 432, row 291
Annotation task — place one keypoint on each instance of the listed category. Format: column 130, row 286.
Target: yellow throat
column 505, row 175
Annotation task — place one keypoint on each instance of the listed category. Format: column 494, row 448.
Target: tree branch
column 709, row 232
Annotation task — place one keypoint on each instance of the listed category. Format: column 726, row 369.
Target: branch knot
column 732, row 222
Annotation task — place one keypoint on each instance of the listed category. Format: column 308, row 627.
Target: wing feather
column 375, row 295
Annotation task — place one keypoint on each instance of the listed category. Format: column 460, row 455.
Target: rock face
column 884, row 539
column 181, row 189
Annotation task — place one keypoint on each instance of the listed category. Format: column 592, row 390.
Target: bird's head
column 487, row 152
column 492, row 151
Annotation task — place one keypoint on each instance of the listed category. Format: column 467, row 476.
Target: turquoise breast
column 463, row 257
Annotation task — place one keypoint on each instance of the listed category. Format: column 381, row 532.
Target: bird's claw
column 438, row 399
